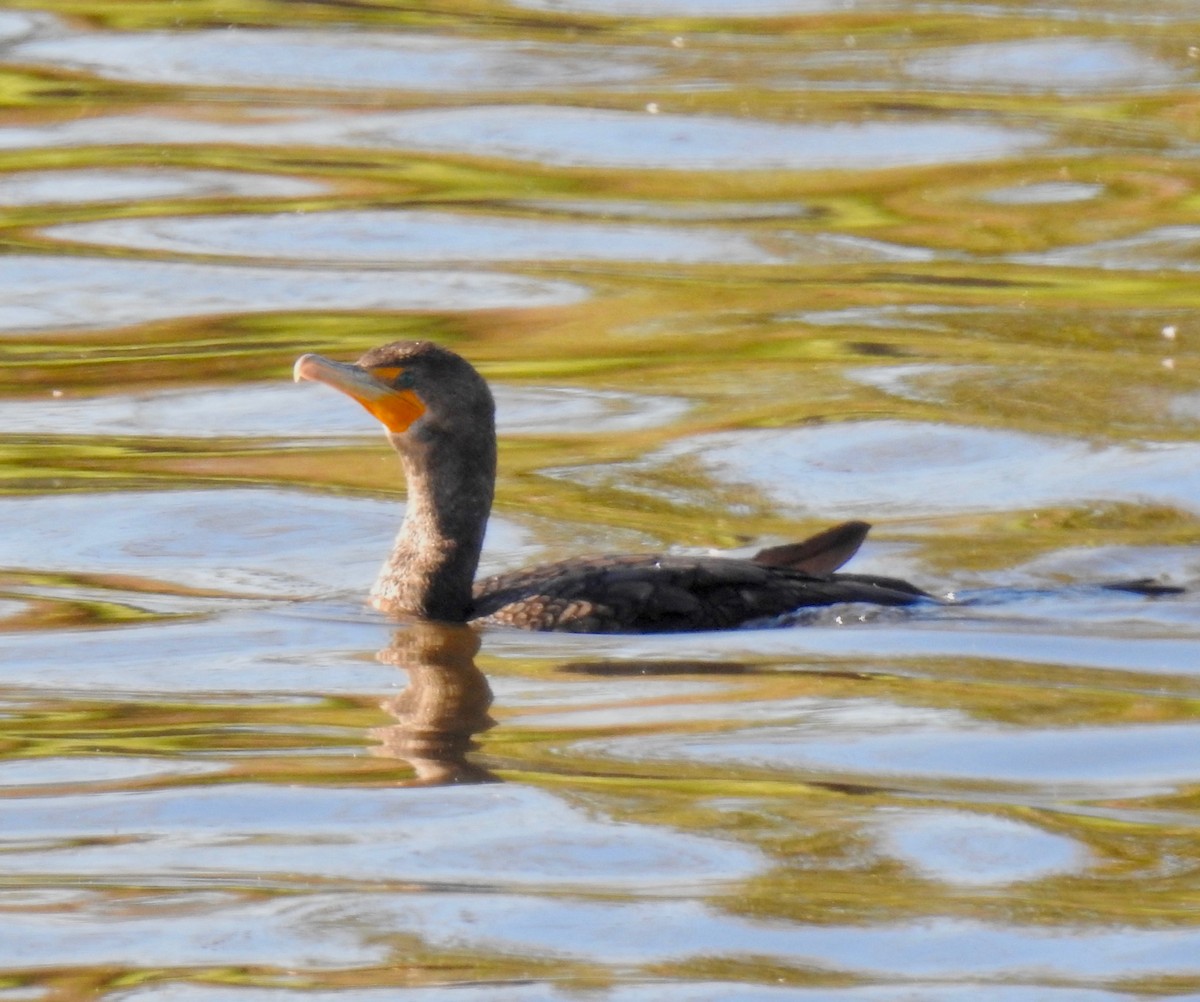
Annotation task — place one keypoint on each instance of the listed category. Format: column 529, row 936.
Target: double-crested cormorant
column 439, row 416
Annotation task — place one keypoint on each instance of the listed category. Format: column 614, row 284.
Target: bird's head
column 409, row 386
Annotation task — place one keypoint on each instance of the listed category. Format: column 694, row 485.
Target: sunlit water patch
column 79, row 770
column 1185, row 407
column 689, row 8
column 330, row 929
column 1126, row 761
column 913, row 316
column 325, row 929
column 976, row 848
column 1112, row 563
column 562, row 136
column 381, row 61
column 217, row 926
column 451, row 836
column 280, row 410
column 582, row 137
column 422, row 236
column 266, row 543
column 1044, row 193
column 650, row 990
column 338, row 60
column 214, row 649
column 1110, row 11
column 1164, row 247
column 127, row 184
column 1067, row 64
column 15, row 25
column 905, row 469
column 635, row 710
column 537, row 698
column 913, row 382
column 50, row 292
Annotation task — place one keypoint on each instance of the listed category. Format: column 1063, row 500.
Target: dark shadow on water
column 689, row 667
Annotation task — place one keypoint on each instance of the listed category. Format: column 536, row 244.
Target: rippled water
column 735, row 270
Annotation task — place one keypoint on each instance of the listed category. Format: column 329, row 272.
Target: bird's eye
column 395, row 376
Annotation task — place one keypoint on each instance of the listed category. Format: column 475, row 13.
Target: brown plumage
column 439, row 416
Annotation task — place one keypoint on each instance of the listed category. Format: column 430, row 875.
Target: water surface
column 735, row 270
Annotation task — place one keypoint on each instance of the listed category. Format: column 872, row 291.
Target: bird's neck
column 431, row 568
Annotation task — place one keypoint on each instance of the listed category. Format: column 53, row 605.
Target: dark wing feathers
column 877, row 581
column 659, row 594
column 821, row 554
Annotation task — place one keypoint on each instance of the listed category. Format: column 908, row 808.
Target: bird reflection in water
column 443, row 707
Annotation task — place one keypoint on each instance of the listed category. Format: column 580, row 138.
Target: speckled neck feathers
column 449, row 460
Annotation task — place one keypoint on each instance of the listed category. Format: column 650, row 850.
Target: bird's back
column 671, row 594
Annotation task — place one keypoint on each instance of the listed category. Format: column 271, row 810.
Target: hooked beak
column 395, row 409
